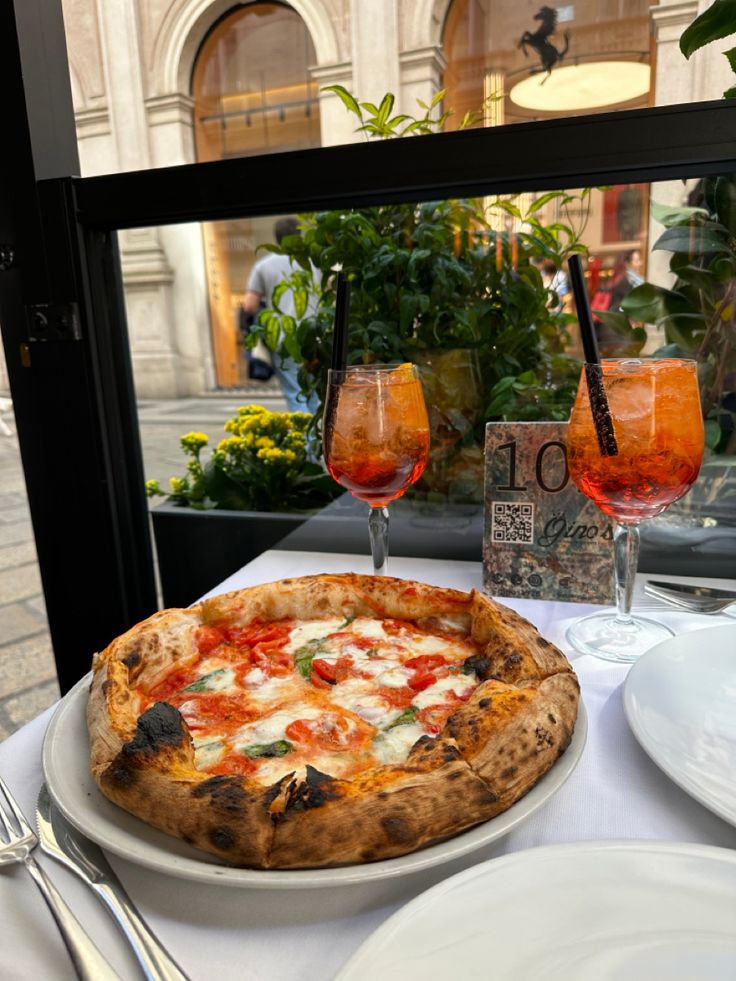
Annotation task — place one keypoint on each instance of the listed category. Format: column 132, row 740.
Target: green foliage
column 262, row 465
column 698, row 312
column 436, row 275
column 716, row 22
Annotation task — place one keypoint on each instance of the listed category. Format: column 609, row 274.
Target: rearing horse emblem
column 549, row 55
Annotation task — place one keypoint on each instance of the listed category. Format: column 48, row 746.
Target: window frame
column 85, row 486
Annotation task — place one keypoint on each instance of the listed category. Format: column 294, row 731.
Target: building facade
column 145, row 79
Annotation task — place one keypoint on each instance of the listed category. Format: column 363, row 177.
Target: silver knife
column 67, row 845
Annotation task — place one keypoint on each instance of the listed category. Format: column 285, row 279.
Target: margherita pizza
column 327, row 720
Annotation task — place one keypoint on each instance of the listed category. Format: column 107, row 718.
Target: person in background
column 625, row 276
column 265, row 276
column 555, row 279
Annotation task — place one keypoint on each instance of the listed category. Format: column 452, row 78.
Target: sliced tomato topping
column 233, row 764
column 217, row 710
column 331, row 731
column 433, row 717
column 171, row 684
column 272, row 658
column 333, row 671
column 392, row 626
column 207, row 639
column 257, row 633
column 397, row 697
column 419, row 681
column 319, row 682
column 426, row 662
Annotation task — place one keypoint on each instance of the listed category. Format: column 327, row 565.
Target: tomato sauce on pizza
column 340, row 694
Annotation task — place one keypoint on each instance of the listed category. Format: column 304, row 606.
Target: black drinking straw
column 340, row 335
column 593, row 371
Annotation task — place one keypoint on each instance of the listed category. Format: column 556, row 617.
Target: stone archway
column 188, row 21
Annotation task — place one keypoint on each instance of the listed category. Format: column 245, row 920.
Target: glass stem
column 626, row 555
column 378, row 528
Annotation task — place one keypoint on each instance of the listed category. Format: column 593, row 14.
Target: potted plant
column 258, row 484
column 432, row 278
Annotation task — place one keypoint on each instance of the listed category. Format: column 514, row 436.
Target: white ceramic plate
column 592, row 911
column 66, row 770
column 680, row 701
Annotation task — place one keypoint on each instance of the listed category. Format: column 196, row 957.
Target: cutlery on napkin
column 63, row 842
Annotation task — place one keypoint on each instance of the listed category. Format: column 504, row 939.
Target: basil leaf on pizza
column 327, row 720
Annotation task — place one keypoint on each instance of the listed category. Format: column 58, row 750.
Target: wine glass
column 376, row 439
column 657, row 424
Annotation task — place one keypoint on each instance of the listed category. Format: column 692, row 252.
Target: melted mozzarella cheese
column 357, row 695
column 459, row 684
column 273, row 727
column 364, row 627
column 396, row 677
column 311, row 630
column 261, row 688
column 393, row 746
column 214, row 676
column 207, row 751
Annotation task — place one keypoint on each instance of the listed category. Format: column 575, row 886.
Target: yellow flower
column 177, row 485
column 192, row 442
column 265, row 442
column 290, row 455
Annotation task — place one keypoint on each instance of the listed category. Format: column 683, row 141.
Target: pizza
column 327, row 720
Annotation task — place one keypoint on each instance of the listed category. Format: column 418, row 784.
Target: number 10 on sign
column 542, row 539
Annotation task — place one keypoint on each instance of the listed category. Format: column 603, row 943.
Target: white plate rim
column 127, row 846
column 571, row 850
column 662, row 650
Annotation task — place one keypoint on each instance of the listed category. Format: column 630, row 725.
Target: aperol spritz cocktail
column 657, row 422
column 376, row 439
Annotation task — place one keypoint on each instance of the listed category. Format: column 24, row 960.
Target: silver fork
column 17, row 841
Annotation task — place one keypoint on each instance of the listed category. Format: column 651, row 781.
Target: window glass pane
column 476, row 294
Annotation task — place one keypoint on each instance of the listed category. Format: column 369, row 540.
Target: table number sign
column 543, row 539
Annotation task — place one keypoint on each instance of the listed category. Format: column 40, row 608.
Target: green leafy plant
column 262, row 465
column 716, row 22
column 698, row 311
column 435, row 275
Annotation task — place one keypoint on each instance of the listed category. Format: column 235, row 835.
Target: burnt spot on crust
column 121, row 773
column 551, row 718
column 159, row 727
column 484, row 703
column 511, row 661
column 477, row 664
column 274, row 790
column 226, row 792
column 398, row 831
column 450, row 753
column 510, row 771
column 222, row 838
column 314, row 791
column 544, row 738
column 132, row 660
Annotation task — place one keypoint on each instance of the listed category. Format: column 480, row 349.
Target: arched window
column 253, row 94
column 251, row 85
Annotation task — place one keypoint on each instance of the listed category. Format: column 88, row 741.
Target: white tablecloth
column 222, row 933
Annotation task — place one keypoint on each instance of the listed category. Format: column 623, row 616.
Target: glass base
column 604, row 635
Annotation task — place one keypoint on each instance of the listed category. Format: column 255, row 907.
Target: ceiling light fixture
column 583, row 86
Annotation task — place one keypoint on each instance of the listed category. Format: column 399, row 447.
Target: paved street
column 27, row 672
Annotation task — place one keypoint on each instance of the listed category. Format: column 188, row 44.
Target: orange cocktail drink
column 637, row 449
column 655, row 409
column 377, row 438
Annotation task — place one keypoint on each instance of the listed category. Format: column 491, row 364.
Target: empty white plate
column 592, row 911
column 680, row 701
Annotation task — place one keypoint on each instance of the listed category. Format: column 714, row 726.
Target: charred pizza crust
column 491, row 751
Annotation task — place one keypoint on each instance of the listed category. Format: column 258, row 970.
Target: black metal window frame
column 79, row 218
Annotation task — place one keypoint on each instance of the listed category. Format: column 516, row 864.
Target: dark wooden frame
column 74, row 398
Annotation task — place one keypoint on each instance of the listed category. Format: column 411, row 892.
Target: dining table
column 614, row 792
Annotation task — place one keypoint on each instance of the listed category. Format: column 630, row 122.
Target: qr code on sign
column 512, row 523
